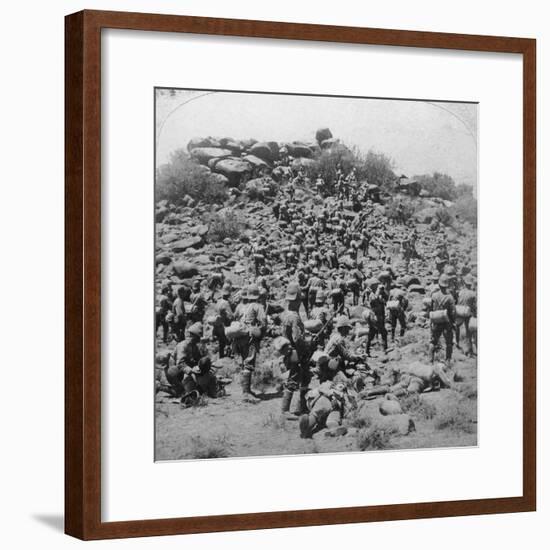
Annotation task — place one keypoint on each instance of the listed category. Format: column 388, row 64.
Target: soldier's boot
column 302, row 405
column 285, row 403
column 246, row 381
column 307, row 425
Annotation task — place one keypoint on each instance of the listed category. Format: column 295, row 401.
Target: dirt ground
column 229, row 427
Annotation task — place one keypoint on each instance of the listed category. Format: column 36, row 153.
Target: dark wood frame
column 83, row 274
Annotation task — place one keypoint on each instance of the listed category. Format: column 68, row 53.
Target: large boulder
column 202, row 142
column 264, row 151
column 401, row 424
column 329, row 143
column 185, row 270
column 322, row 134
column 425, row 216
column 162, row 258
column 233, row 169
column 184, row 244
column 297, row 149
column 388, row 407
column 220, row 178
column 205, row 154
column 255, row 161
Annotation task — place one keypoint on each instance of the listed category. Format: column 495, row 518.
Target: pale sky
column 421, row 137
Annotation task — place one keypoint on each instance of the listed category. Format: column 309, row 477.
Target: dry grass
column 417, row 406
column 214, row 447
column 458, row 416
column 267, row 376
column 375, row 438
column 275, row 421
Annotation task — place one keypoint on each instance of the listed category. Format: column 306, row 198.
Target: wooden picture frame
column 83, row 274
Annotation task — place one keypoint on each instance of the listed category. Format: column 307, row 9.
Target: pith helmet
column 253, row 292
column 293, row 291
column 279, row 343
column 444, row 281
column 342, row 322
column 196, row 329
column 226, row 290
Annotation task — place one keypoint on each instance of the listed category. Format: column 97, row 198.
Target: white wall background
column 31, row 214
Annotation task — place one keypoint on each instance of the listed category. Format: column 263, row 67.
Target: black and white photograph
column 316, row 273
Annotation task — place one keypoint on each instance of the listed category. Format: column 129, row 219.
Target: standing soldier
column 224, row 316
column 255, row 321
column 355, row 282
column 304, row 289
column 467, row 304
column 162, row 311
column 442, row 319
column 180, row 316
column 322, row 313
column 198, row 303
column 377, row 318
column 338, row 293
column 397, row 305
column 295, row 353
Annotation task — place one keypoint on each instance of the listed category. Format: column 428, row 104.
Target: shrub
column 267, row 376
column 439, row 185
column 417, row 406
column 376, row 168
column 374, row 438
column 226, row 226
column 444, row 216
column 466, row 209
column 358, row 419
column 184, row 176
column 215, row 447
column 456, row 416
column 408, row 209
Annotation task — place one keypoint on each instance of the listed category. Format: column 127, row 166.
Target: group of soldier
column 336, row 306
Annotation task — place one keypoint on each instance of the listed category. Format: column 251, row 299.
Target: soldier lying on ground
column 415, row 378
column 327, row 406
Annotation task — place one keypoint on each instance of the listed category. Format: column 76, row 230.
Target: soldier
column 304, row 290
column 198, row 303
column 468, row 300
column 180, row 315
column 321, row 312
column 377, row 318
column 442, row 319
column 161, row 317
column 441, row 258
column 327, row 406
column 338, row 293
column 186, row 360
column 397, row 305
column 216, row 277
column 386, row 276
column 338, row 347
column 297, row 356
column 255, row 321
column 355, row 282
column 224, row 316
